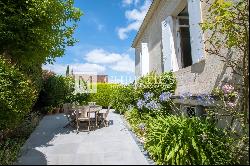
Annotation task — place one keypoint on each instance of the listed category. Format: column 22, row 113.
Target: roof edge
column 145, row 21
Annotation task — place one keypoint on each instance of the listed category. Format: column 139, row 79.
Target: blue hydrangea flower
column 153, row 105
column 200, row 98
column 205, row 98
column 182, row 98
column 165, row 96
column 148, row 96
column 187, row 95
column 140, row 103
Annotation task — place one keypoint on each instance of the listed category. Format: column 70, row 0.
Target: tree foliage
column 17, row 94
column 56, row 90
column 35, row 31
column 228, row 28
column 122, row 97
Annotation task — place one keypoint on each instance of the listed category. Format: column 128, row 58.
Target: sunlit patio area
column 51, row 143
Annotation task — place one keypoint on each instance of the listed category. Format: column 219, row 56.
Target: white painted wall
column 144, row 59
column 197, row 41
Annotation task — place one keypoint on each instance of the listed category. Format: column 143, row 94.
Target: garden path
column 50, row 143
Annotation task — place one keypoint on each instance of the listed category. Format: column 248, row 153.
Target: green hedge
column 56, row 90
column 17, row 95
column 104, row 93
column 155, row 83
column 122, row 97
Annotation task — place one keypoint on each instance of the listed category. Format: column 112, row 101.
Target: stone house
column 171, row 39
column 92, row 78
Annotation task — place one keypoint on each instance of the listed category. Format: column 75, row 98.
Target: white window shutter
column 168, row 50
column 195, row 18
column 145, row 59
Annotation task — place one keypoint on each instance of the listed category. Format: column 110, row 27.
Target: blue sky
column 105, row 33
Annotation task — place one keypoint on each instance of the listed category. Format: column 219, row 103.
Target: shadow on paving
column 47, row 130
column 51, row 143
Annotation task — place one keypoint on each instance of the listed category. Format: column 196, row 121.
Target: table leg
column 96, row 119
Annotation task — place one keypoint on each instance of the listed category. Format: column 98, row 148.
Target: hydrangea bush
column 153, row 91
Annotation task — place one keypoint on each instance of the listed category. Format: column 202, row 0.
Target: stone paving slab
column 50, row 143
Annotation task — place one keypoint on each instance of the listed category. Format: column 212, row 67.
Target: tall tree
column 67, row 71
column 33, row 32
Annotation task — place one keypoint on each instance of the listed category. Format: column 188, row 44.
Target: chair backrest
column 68, row 111
column 84, row 112
column 66, row 108
column 107, row 112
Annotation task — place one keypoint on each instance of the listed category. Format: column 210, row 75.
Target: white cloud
column 101, row 56
column 115, row 61
column 129, row 2
column 126, row 64
column 123, row 32
column 98, row 61
column 135, row 16
column 77, row 67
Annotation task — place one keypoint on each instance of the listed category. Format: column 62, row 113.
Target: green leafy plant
column 187, row 141
column 80, row 98
column 56, row 91
column 137, row 121
column 10, row 146
column 17, row 95
column 33, row 32
column 149, row 89
column 122, row 97
column 155, row 83
column 103, row 96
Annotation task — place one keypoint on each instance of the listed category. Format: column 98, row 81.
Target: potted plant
column 61, row 109
column 49, row 110
column 56, row 110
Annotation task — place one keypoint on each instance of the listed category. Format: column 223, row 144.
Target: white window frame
column 196, row 34
column 144, row 59
column 168, row 45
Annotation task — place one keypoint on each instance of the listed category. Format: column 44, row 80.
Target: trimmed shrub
column 103, row 96
column 122, row 97
column 17, row 95
column 150, row 89
column 155, row 83
column 187, row 141
column 56, row 90
column 80, row 98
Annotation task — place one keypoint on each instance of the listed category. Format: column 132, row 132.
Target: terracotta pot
column 57, row 110
column 49, row 113
column 61, row 110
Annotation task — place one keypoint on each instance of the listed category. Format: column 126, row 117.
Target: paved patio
column 50, row 143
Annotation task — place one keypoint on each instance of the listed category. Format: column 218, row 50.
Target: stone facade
column 93, row 78
column 200, row 77
column 102, row 78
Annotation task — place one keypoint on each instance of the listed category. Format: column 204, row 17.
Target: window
column 183, row 34
column 193, row 110
column 190, row 111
